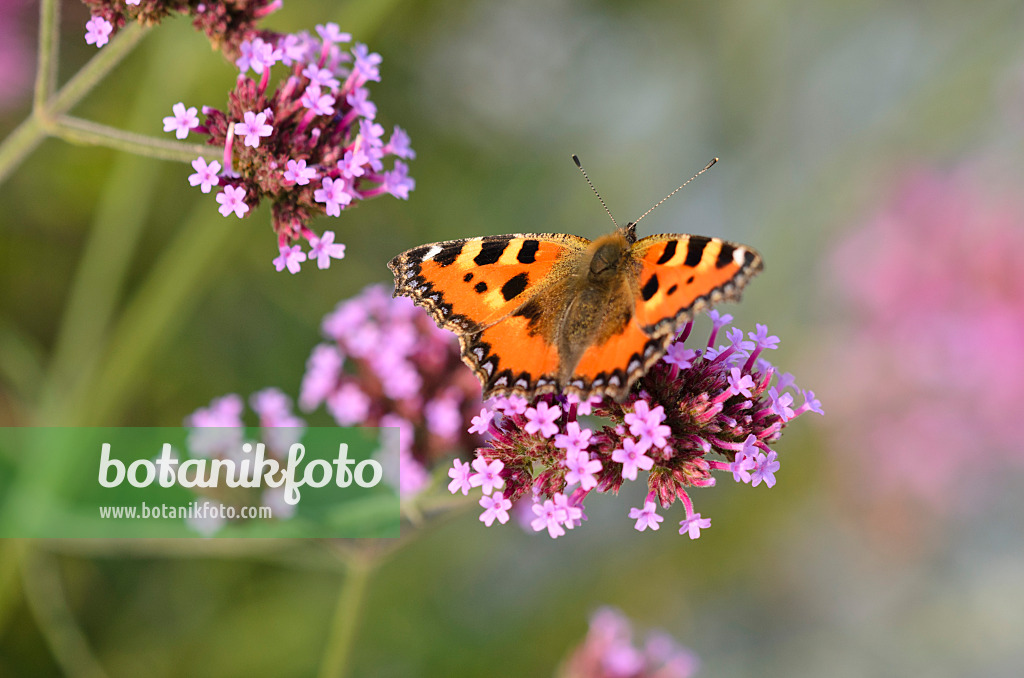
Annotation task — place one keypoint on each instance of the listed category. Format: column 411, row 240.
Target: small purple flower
column 330, row 33
column 694, row 524
column 550, row 517
column 744, row 461
column 232, row 199
column 781, row 404
column 290, row 258
column 761, row 338
column 206, row 176
column 258, row 55
column 582, row 469
column 542, row 419
column 354, row 163
column 488, row 475
column 575, row 439
column 324, row 249
column 646, row 517
column 460, row 473
column 321, row 76
column 253, row 127
column 297, row 173
column 98, row 31
column 645, row 424
column 679, row 355
column 361, row 105
column 572, row 514
column 495, row 508
column 765, row 467
column 482, row 422
column 333, row 194
column 632, row 456
column 811, row 404
column 317, row 102
column 735, row 337
column 182, row 122
column 397, row 182
column 739, row 383
column 366, row 62
column 398, row 145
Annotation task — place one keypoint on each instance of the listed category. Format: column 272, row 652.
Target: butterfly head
column 630, row 232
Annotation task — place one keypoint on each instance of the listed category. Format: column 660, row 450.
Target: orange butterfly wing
column 677, row 277
column 475, row 286
column 682, row 275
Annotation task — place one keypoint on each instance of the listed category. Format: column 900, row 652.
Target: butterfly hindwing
column 682, row 275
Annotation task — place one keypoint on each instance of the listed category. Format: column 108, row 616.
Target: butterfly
column 556, row 313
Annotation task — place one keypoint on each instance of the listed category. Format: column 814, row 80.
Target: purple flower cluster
column 217, row 432
column 310, row 147
column 388, row 365
column 227, row 23
column 724, row 400
column 608, row 651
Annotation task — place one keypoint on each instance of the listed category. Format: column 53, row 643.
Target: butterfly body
column 542, row 313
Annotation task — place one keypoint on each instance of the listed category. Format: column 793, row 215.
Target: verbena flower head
column 310, row 146
column 714, row 408
column 928, row 372
column 609, row 651
column 387, row 364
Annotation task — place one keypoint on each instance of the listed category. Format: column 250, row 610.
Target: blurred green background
column 816, row 110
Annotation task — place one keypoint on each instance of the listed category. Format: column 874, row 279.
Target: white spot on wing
column 739, row 255
column 431, row 253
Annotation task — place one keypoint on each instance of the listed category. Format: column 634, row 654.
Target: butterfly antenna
column 576, row 160
column 706, row 168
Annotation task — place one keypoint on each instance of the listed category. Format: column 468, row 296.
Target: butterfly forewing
column 470, row 284
column 682, row 275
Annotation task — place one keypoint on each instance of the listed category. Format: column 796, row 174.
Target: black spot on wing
column 689, row 281
column 515, row 286
column 490, row 251
column 650, row 288
column 467, row 278
column 418, row 253
column 725, row 255
column 449, row 253
column 672, row 290
column 668, row 252
column 480, row 287
column 528, row 252
column 695, row 250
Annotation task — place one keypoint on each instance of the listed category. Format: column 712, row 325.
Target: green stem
column 337, row 655
column 49, row 53
column 79, row 131
column 45, row 114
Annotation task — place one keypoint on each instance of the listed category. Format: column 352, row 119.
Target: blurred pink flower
column 930, row 369
column 17, row 53
column 609, row 651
